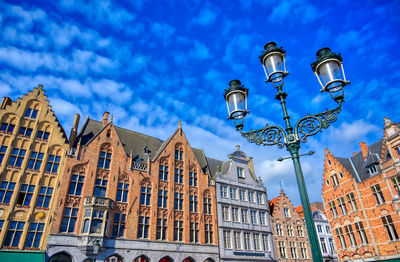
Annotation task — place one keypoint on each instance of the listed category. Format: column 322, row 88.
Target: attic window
column 240, row 172
column 329, row 162
column 341, row 175
column 109, row 133
column 327, row 182
column 388, row 156
column 373, row 169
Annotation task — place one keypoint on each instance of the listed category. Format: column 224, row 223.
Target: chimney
column 105, row 117
column 364, row 149
column 5, row 102
column 74, row 130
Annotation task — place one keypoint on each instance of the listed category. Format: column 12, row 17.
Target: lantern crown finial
column 325, row 54
column 269, row 48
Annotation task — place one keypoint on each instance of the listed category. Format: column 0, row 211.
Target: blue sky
column 152, row 63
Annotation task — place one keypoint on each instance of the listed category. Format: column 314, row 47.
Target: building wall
column 15, row 208
column 85, row 162
column 325, row 237
column 376, row 244
column 288, row 246
column 262, row 250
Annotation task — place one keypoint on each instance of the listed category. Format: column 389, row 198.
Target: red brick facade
column 361, row 197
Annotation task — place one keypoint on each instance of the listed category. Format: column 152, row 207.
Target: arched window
column 166, row 259
column 141, row 259
column 145, row 194
column 178, row 152
column 113, row 258
column 60, row 257
column 188, row 259
column 105, row 159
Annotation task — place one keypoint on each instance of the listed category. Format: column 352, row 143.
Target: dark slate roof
column 360, row 170
column 213, row 165
column 134, row 143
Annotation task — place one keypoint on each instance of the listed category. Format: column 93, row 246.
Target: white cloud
column 200, row 51
column 207, row 16
column 163, row 31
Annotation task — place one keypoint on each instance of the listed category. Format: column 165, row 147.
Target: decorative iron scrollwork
column 312, row 124
column 267, row 136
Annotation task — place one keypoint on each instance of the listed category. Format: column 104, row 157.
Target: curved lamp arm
column 313, row 124
column 267, row 136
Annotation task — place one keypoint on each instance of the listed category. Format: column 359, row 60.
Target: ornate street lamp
column 96, row 245
column 329, row 71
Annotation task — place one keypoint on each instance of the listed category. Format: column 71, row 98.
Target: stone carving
column 178, row 215
column 163, row 185
column 144, row 211
column 123, row 177
column 179, row 188
column 79, row 169
column 122, row 207
column 73, row 201
column 102, row 173
column 193, row 190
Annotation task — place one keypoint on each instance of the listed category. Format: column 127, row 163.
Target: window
column 293, row 249
column 260, row 198
column 235, row 214
column 35, row 161
column 265, row 242
column 328, row 229
column 253, row 217
column 97, row 221
column 332, row 246
column 247, row 242
column 339, row 233
column 161, row 233
column 24, row 131
column 245, row 216
column 242, row 195
column 194, row 232
column 237, row 240
column 300, row 231
column 361, row 233
column 286, row 212
column 350, row 235
column 1, row 224
column 251, row 196
column 225, row 213
column 69, row 220
column 17, row 156
column 352, row 202
column 233, row 192
column 342, row 205
column 162, row 198
column 14, row 233
column 240, row 172
column 323, row 245
column 178, row 203
column 119, row 225
column 42, row 135
column 31, row 113
column 257, row 245
column 6, row 191
column 52, row 164
column 227, row 239
column 145, row 195
column 104, row 160
column 390, row 229
column 76, row 184
column 7, row 128
column 3, row 150
column 335, row 180
column 192, row 179
column 143, row 230
column 224, row 191
column 290, row 231
column 178, row 154
column 279, row 230
column 193, row 203
column 261, row 215
column 44, row 197
column 163, row 172
column 395, row 180
column 100, row 188
column 207, row 205
column 25, row 195
column 282, row 249
column 178, row 176
column 377, row 192
column 373, row 169
column 34, row 235
column 122, row 192
column 178, row 230
column 319, row 228
column 303, row 250
column 332, row 208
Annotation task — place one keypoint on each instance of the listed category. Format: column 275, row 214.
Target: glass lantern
column 273, row 61
column 236, row 102
column 329, row 71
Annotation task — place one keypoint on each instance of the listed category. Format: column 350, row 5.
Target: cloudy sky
column 152, row 63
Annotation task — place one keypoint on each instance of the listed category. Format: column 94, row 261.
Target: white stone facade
column 325, row 237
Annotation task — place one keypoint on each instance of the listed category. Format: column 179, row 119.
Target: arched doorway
column 60, row 257
column 141, row 259
column 188, row 259
column 209, row 260
column 166, row 259
column 113, row 258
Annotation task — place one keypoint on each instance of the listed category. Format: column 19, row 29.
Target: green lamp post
column 329, row 71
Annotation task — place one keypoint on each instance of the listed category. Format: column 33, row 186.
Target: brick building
column 289, row 231
column 361, row 195
column 138, row 198
column 33, row 146
column 243, row 216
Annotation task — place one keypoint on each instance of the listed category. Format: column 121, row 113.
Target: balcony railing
column 98, row 201
column 141, row 166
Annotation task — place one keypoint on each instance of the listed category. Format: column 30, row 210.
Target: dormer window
column 335, row 180
column 178, row 154
column 373, row 169
column 286, row 212
column 240, row 172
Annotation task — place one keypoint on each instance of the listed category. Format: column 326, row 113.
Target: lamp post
column 329, row 71
column 96, row 245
